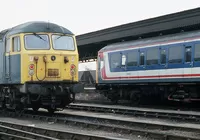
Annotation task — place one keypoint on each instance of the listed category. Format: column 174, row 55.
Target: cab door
column 7, row 59
column 13, row 60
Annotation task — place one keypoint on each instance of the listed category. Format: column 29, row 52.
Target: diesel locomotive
column 38, row 67
column 165, row 67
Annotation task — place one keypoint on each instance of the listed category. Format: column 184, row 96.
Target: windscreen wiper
column 59, row 36
column 39, row 36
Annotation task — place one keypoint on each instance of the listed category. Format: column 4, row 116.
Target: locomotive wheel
column 51, row 110
column 114, row 101
column 2, row 101
column 35, row 108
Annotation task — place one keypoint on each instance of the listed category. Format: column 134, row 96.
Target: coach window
column 132, row 59
column 115, row 60
column 163, row 56
column 152, row 56
column 197, row 52
column 175, row 54
column 141, row 58
column 8, row 45
column 188, row 54
column 16, row 44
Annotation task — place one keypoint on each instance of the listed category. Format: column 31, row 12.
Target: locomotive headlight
column 31, row 69
column 53, row 58
column 73, row 69
column 31, row 72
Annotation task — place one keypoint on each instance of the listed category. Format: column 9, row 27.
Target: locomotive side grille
column 53, row 72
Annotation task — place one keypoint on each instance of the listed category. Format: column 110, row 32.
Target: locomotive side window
column 152, row 56
column 8, row 45
column 197, row 52
column 115, row 60
column 188, row 54
column 16, row 44
column 163, row 56
column 141, row 58
column 175, row 54
column 132, row 59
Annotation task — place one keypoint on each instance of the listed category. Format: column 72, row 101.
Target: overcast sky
column 82, row 16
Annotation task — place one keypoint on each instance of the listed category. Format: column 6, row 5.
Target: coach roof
column 160, row 40
column 35, row 26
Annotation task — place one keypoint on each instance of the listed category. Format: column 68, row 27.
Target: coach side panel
column 180, row 63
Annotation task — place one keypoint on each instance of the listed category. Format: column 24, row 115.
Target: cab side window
column 16, row 44
column 8, row 45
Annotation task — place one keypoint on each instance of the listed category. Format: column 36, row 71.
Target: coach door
column 142, row 63
column 7, row 58
column 163, row 62
column 196, row 57
column 123, row 65
column 188, row 63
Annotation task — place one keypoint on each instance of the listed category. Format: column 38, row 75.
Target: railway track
column 8, row 131
column 114, row 125
column 189, row 116
column 24, row 132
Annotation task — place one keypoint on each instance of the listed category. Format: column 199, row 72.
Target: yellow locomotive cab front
column 53, row 58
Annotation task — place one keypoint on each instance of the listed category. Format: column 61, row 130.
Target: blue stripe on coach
column 158, row 66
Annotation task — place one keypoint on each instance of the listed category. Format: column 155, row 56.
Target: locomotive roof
column 35, row 26
column 155, row 40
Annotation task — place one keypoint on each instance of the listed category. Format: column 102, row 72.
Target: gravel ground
column 60, row 127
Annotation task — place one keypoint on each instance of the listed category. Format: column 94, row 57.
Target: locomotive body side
column 167, row 66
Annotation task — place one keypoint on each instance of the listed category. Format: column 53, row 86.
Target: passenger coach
column 167, row 67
